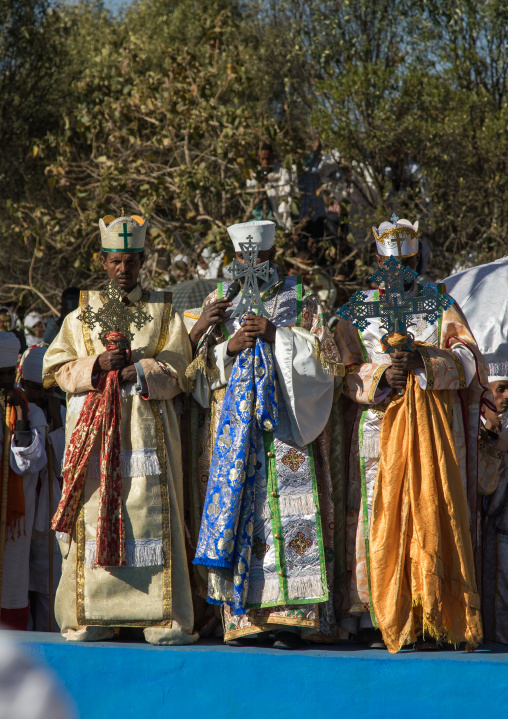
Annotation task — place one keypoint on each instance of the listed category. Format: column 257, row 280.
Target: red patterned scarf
column 101, row 410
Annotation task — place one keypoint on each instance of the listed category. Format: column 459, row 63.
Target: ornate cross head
column 396, row 309
column 249, row 272
column 393, row 274
column 114, row 315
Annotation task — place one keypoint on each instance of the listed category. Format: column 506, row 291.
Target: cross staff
column 114, row 315
column 396, row 309
column 250, row 272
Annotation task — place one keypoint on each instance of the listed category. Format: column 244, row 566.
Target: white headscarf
column 29, row 323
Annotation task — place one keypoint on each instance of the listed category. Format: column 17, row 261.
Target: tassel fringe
column 329, row 366
column 135, row 463
column 139, row 552
column 204, row 363
column 371, row 448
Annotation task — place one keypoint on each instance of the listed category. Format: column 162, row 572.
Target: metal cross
column 396, row 309
column 250, row 272
column 125, row 235
column 114, row 315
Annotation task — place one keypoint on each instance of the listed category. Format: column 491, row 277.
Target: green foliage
column 160, row 111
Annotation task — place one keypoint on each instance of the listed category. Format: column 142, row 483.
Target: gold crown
column 400, row 240
column 123, row 234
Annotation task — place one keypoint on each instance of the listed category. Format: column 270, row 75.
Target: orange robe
column 412, row 472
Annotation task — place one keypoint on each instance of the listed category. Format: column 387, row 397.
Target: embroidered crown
column 123, row 234
column 397, row 238
column 261, row 232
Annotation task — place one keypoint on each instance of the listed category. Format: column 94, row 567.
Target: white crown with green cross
column 123, row 234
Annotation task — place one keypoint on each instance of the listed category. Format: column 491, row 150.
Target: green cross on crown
column 125, row 235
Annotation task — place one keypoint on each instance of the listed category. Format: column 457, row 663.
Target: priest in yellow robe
column 412, row 500
column 121, row 358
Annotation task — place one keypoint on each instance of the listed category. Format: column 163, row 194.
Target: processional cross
column 114, row 315
column 250, row 272
column 395, row 309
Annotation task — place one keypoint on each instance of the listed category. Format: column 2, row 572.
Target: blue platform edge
column 118, row 679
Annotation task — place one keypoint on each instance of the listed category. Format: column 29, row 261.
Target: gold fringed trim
column 441, row 635
column 329, row 366
column 166, row 319
column 208, row 368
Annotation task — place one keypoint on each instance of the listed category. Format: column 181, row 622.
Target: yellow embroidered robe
column 153, row 590
column 452, row 363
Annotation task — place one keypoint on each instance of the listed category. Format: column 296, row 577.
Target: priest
column 413, row 463
column 266, row 534
column 121, row 357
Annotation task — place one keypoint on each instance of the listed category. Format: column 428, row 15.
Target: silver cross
column 250, row 272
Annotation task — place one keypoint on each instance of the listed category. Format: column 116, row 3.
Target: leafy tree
column 160, row 110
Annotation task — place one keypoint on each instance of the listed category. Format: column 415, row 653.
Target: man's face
column 123, row 268
column 7, row 377
column 500, row 392
column 411, row 262
column 266, row 160
column 34, row 391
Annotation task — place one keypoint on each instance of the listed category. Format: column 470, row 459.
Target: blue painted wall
column 217, row 682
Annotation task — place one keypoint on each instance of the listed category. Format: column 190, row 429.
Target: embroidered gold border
column 429, row 367
column 217, row 398
column 375, row 381
column 267, row 624
column 165, row 514
column 80, row 563
column 87, row 335
column 166, row 316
